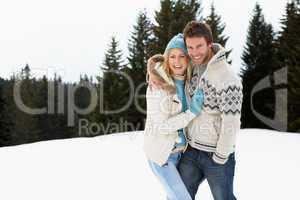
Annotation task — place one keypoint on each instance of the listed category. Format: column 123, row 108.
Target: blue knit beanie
column 177, row 42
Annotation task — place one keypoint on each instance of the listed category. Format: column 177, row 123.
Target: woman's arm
column 158, row 113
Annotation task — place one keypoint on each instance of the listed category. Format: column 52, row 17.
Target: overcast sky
column 70, row 37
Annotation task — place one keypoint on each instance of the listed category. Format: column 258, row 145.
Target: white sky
column 70, row 37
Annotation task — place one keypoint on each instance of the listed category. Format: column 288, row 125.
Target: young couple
column 193, row 115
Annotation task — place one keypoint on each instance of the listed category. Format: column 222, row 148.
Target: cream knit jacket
column 164, row 119
column 216, row 128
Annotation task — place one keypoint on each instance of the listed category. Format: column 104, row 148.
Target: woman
column 168, row 115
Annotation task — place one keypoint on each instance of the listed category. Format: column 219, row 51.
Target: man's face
column 198, row 49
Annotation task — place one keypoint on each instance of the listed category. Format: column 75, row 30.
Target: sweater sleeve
column 159, row 119
column 230, row 103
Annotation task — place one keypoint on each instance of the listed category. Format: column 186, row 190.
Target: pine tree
column 114, row 84
column 60, row 119
column 183, row 12
column 289, row 56
column 9, row 110
column 5, row 138
column 46, row 128
column 56, row 120
column 139, row 51
column 259, row 62
column 1, row 103
column 113, row 57
column 217, row 28
column 172, row 18
column 162, row 31
column 83, row 99
column 22, row 126
column 97, row 116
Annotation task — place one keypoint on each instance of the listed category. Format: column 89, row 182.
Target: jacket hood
column 219, row 54
column 155, row 69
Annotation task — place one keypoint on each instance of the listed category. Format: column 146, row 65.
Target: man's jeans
column 169, row 177
column 196, row 165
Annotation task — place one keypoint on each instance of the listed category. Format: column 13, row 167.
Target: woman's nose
column 177, row 61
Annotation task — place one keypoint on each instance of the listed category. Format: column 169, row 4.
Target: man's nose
column 195, row 52
column 191, row 52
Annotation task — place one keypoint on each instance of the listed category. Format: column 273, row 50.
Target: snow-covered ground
column 114, row 167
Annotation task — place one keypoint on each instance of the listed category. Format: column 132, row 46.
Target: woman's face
column 178, row 61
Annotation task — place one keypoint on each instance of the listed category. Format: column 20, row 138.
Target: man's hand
column 155, row 80
column 155, row 83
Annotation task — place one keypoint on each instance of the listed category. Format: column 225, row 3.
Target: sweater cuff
column 217, row 158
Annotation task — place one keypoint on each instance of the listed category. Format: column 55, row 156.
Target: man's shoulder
column 223, row 74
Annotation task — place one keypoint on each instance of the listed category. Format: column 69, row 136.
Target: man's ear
column 210, row 44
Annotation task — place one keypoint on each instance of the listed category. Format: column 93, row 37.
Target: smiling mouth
column 197, row 58
column 177, row 67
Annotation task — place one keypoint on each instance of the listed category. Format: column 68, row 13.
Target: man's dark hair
column 198, row 29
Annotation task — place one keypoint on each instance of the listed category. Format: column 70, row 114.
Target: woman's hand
column 197, row 102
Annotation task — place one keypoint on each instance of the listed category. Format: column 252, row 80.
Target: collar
column 179, row 77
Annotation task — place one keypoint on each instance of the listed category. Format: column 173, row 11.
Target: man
column 211, row 136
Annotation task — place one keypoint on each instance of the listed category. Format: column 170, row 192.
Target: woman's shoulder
column 159, row 95
column 156, row 91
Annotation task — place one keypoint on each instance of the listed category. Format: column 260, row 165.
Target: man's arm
column 230, row 104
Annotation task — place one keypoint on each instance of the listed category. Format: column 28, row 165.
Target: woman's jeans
column 169, row 177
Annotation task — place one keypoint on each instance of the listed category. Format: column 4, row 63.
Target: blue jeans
column 196, row 166
column 170, row 178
